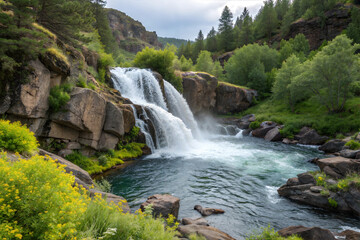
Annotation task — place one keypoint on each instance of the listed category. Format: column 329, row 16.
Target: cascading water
column 143, row 89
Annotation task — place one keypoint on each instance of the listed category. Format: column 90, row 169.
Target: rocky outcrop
column 264, row 128
column 130, row 35
column 318, row 29
column 313, row 233
column 205, row 94
column 233, row 99
column 225, row 57
column 304, row 189
column 198, row 221
column 163, row 205
column 199, row 91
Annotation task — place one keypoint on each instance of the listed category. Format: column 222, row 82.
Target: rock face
column 130, row 35
column 233, row 99
column 199, row 91
column 308, row 136
column 163, row 205
column 314, row 233
column 317, row 30
column 303, row 189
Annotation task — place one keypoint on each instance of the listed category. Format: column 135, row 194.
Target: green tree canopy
column 226, row 30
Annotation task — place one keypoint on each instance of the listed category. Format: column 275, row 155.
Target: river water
column 238, row 174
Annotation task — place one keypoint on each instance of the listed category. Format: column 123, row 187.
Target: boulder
column 210, row 233
column 107, row 141
column 198, row 221
column 352, row 198
column 208, row 211
column 347, row 153
column 73, row 146
column 314, row 233
column 339, row 165
column 332, row 146
column 199, row 90
column 85, row 112
column 32, row 100
column 232, row 99
column 264, row 128
column 306, row 178
column 91, row 57
column 163, row 205
column 160, row 80
column 65, row 152
column 308, row 136
column 114, row 120
column 273, row 135
column 349, row 235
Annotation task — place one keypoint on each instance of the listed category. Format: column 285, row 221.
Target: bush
column 270, row 234
column 160, row 61
column 354, row 145
column 81, row 81
column 103, row 185
column 255, row 125
column 38, row 200
column 59, row 96
column 17, row 138
column 333, row 203
column 80, row 160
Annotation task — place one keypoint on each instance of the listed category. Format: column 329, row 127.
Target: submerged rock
column 163, row 205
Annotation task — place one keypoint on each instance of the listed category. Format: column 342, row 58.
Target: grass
column 58, row 54
column 107, row 160
column 342, row 185
column 232, row 85
column 308, row 113
column 44, row 30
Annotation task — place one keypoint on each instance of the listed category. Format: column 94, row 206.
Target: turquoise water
column 239, row 175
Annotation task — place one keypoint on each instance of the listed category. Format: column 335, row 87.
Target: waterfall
column 142, row 88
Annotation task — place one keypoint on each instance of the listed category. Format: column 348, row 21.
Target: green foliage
column 352, row 144
column 255, row 125
column 172, row 41
column 40, row 201
column 59, row 96
column 308, row 113
column 81, row 81
column 58, row 54
column 199, row 45
column 249, row 65
column 81, row 160
column 183, row 64
column 330, row 73
column 266, row 20
column 333, row 203
column 298, row 46
column 269, row 233
column 171, row 223
column 226, row 30
column 160, row 61
column 204, row 62
column 17, row 138
column 355, row 88
column 103, row 185
column 353, row 30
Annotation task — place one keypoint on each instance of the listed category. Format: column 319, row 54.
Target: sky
column 181, row 18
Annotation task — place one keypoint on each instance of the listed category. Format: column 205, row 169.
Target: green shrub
column 80, row 160
column 103, row 185
column 354, row 145
column 17, row 138
column 81, row 81
column 91, row 86
column 269, row 233
column 255, row 125
column 58, row 54
column 340, row 136
column 103, row 160
column 355, row 88
column 59, row 96
column 333, row 203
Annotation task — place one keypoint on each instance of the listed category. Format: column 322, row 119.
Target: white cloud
column 181, row 18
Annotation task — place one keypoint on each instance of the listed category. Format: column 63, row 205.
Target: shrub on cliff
column 59, row 96
column 17, row 138
column 160, row 61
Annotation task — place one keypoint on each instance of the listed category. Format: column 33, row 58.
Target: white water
column 142, row 88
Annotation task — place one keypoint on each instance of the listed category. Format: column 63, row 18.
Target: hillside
column 130, row 34
column 174, row 41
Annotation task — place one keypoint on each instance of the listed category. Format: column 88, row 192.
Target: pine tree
column 188, row 50
column 267, row 20
column 246, row 32
column 198, row 46
column 211, row 43
column 226, row 30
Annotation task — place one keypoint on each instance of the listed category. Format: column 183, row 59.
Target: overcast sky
column 181, row 18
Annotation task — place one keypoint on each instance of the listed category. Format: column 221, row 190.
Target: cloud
column 181, row 18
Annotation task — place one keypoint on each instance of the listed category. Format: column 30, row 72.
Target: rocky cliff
column 204, row 93
column 130, row 34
